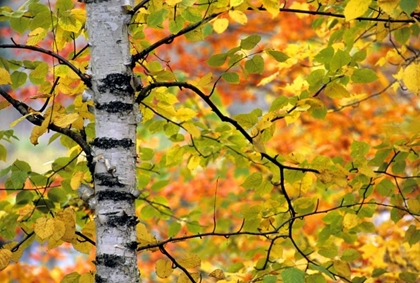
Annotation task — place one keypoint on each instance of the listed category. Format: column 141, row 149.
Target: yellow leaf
column 184, row 278
column 335, row 90
column 44, row 227
column 5, row 77
column 5, row 257
column 65, row 120
column 238, row 16
column 205, row 80
column 172, row 2
column 217, row 274
column 59, row 229
column 272, row 6
column 89, row 229
column 76, row 180
column 20, row 119
column 350, row 220
column 185, row 114
column 220, row 25
column 414, row 205
column 81, row 245
column 258, row 144
column 38, row 131
column 86, row 277
column 193, row 162
column 190, row 261
column 68, row 217
column 164, row 268
column 36, row 36
column 192, row 129
column 147, row 114
column 342, row 268
column 144, row 238
column 389, row 6
column 4, row 104
column 16, row 254
column 356, row 8
column 411, row 78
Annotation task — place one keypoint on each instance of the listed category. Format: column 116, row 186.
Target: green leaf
column 359, row 149
column 363, row 76
column 277, row 55
column 350, row 255
column 339, row 60
column 255, row 65
column 378, row 272
column 176, row 25
column 402, row 35
column 385, row 188
column 235, row 267
column 250, row 42
column 174, row 229
column 174, row 155
column 19, row 24
column 329, row 251
column 270, row 279
column 408, row 6
column 293, row 275
column 18, row 79
column 39, row 74
column 252, row 181
column 316, row 77
column 156, row 18
column 192, row 15
column 279, row 103
column 157, row 186
column 316, row 278
column 231, row 77
column 217, row 60
column 3, row 152
column 24, row 197
column 408, row 277
column 246, row 121
column 264, row 188
column 57, row 195
column 325, row 55
column 194, row 227
column 146, row 153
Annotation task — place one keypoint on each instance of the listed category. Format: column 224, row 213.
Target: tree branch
column 61, row 59
column 170, row 38
column 38, row 119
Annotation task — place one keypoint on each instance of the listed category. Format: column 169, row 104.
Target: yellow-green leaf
column 356, row 8
column 336, row 90
column 272, row 6
column 5, row 77
column 5, row 257
column 164, row 268
column 342, row 268
column 44, row 227
column 411, row 78
column 66, row 120
column 414, row 205
column 238, row 16
column 190, row 261
column 220, row 25
column 185, row 114
column 350, row 221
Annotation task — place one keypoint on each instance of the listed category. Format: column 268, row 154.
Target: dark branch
column 38, row 119
column 61, row 59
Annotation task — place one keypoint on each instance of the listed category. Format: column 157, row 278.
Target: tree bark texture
column 114, row 147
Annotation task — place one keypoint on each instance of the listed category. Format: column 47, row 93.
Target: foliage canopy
column 278, row 142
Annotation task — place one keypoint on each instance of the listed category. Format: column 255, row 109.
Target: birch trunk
column 115, row 143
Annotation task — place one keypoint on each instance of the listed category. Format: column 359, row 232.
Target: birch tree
column 228, row 141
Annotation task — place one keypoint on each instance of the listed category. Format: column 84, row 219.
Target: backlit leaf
column 252, row 181
column 5, row 257
column 255, row 65
column 336, row 90
column 5, row 77
column 272, row 6
column 250, row 42
column 190, row 261
column 238, row 16
column 231, row 77
column 411, row 78
column 44, row 227
column 356, row 8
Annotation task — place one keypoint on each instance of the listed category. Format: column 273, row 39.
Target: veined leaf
column 231, row 77
column 255, row 65
column 411, row 78
column 336, row 90
column 293, row 275
column 253, row 181
column 272, row 6
column 217, row 60
column 363, row 76
column 356, row 8
column 164, row 268
column 238, row 16
column 250, row 42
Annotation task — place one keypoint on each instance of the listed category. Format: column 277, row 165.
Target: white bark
column 114, row 146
